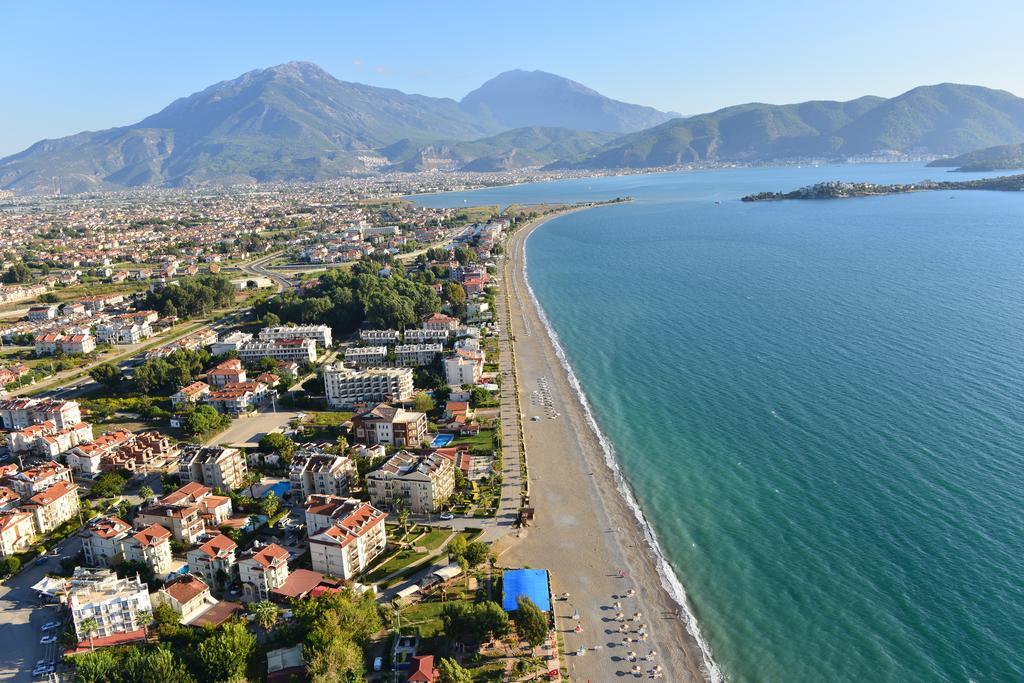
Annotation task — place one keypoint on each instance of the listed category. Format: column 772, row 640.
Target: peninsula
column 844, row 190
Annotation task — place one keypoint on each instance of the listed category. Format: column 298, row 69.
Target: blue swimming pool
column 442, row 440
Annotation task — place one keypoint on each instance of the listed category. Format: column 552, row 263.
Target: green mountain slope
column 941, row 119
column 998, row 158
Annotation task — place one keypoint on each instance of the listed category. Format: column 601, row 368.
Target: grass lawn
column 328, row 418
column 482, row 441
column 433, row 539
column 394, row 562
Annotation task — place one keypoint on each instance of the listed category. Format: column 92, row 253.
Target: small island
column 844, row 190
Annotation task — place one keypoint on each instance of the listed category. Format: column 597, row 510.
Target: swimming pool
column 442, row 440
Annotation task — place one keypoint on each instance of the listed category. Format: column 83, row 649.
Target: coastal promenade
column 584, row 532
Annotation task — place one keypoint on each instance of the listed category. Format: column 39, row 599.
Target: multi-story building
column 85, row 459
column 317, row 472
column 47, row 440
column 298, row 350
column 214, row 466
column 123, row 332
column 214, row 560
column 237, row 398
column 355, row 538
column 463, row 367
column 115, row 605
column 377, row 337
column 440, row 321
column 420, row 483
column 366, row 356
column 184, row 522
column 261, row 570
column 321, row 334
column 54, row 506
column 423, row 336
column 188, row 596
column 192, row 393
column 36, row 479
column 18, row 413
column 17, row 532
column 230, row 342
column 227, row 372
column 215, row 510
column 347, row 387
column 9, row 500
column 416, row 355
column 384, row 424
column 152, row 547
column 104, row 541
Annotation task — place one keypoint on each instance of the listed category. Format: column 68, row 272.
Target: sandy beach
column 584, row 531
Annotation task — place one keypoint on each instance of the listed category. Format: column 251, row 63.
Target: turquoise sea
column 818, row 404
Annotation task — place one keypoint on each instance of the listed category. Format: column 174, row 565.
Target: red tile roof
column 186, row 588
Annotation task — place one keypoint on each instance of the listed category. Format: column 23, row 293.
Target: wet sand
column 584, row 531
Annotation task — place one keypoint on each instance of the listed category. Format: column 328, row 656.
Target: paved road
column 253, row 428
column 23, row 618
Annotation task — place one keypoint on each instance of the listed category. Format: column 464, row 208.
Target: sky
column 73, row 66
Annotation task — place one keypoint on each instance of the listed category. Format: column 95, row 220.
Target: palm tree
column 265, row 613
column 90, row 626
column 252, row 479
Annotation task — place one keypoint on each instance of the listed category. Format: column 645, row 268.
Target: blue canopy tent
column 532, row 583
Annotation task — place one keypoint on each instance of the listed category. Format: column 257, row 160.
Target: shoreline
column 589, row 542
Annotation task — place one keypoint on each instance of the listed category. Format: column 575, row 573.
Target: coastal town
column 280, row 435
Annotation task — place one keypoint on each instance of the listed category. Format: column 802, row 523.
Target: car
column 47, row 640
column 43, row 559
column 56, row 550
column 447, row 515
column 43, row 670
column 50, row 625
column 535, row 418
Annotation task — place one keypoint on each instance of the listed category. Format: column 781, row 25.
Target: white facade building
column 346, row 386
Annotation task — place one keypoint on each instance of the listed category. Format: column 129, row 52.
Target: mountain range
column 297, row 122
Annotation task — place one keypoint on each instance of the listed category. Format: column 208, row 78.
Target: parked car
column 447, row 515
column 47, row 640
column 42, row 559
column 51, row 625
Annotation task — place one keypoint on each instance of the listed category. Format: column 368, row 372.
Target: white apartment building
column 212, row 558
column 17, row 532
column 184, row 522
column 18, row 413
column 349, row 545
column 54, row 506
column 366, row 356
column 103, row 544
column 115, row 604
column 346, row 387
column 425, row 336
column 316, row 472
column 297, row 350
column 261, row 570
column 230, row 342
column 416, row 355
column 378, row 337
column 36, row 479
column 321, row 334
column 463, row 368
column 47, row 440
column 151, row 547
column 420, row 483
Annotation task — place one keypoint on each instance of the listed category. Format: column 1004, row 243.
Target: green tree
column 422, row 402
column 224, row 655
column 270, row 505
column 265, row 614
column 10, row 565
column 457, row 547
column 276, row 442
column 17, row 274
column 491, row 619
column 145, row 493
column 108, row 485
column 204, row 420
column 158, row 665
column 451, row 672
column 98, row 666
column 476, row 553
column 107, row 374
column 89, row 627
column 271, row 320
column 531, row 624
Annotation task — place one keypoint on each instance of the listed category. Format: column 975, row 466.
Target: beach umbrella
column 637, row 615
column 652, row 654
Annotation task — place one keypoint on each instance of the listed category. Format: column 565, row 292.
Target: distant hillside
column 518, row 99
column 998, row 158
column 519, row 148
column 941, row 119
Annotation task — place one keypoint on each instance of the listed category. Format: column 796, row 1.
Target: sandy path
column 584, row 532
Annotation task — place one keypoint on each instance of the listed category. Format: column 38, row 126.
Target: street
column 23, row 619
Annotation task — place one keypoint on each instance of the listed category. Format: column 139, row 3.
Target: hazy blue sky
column 71, row 66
